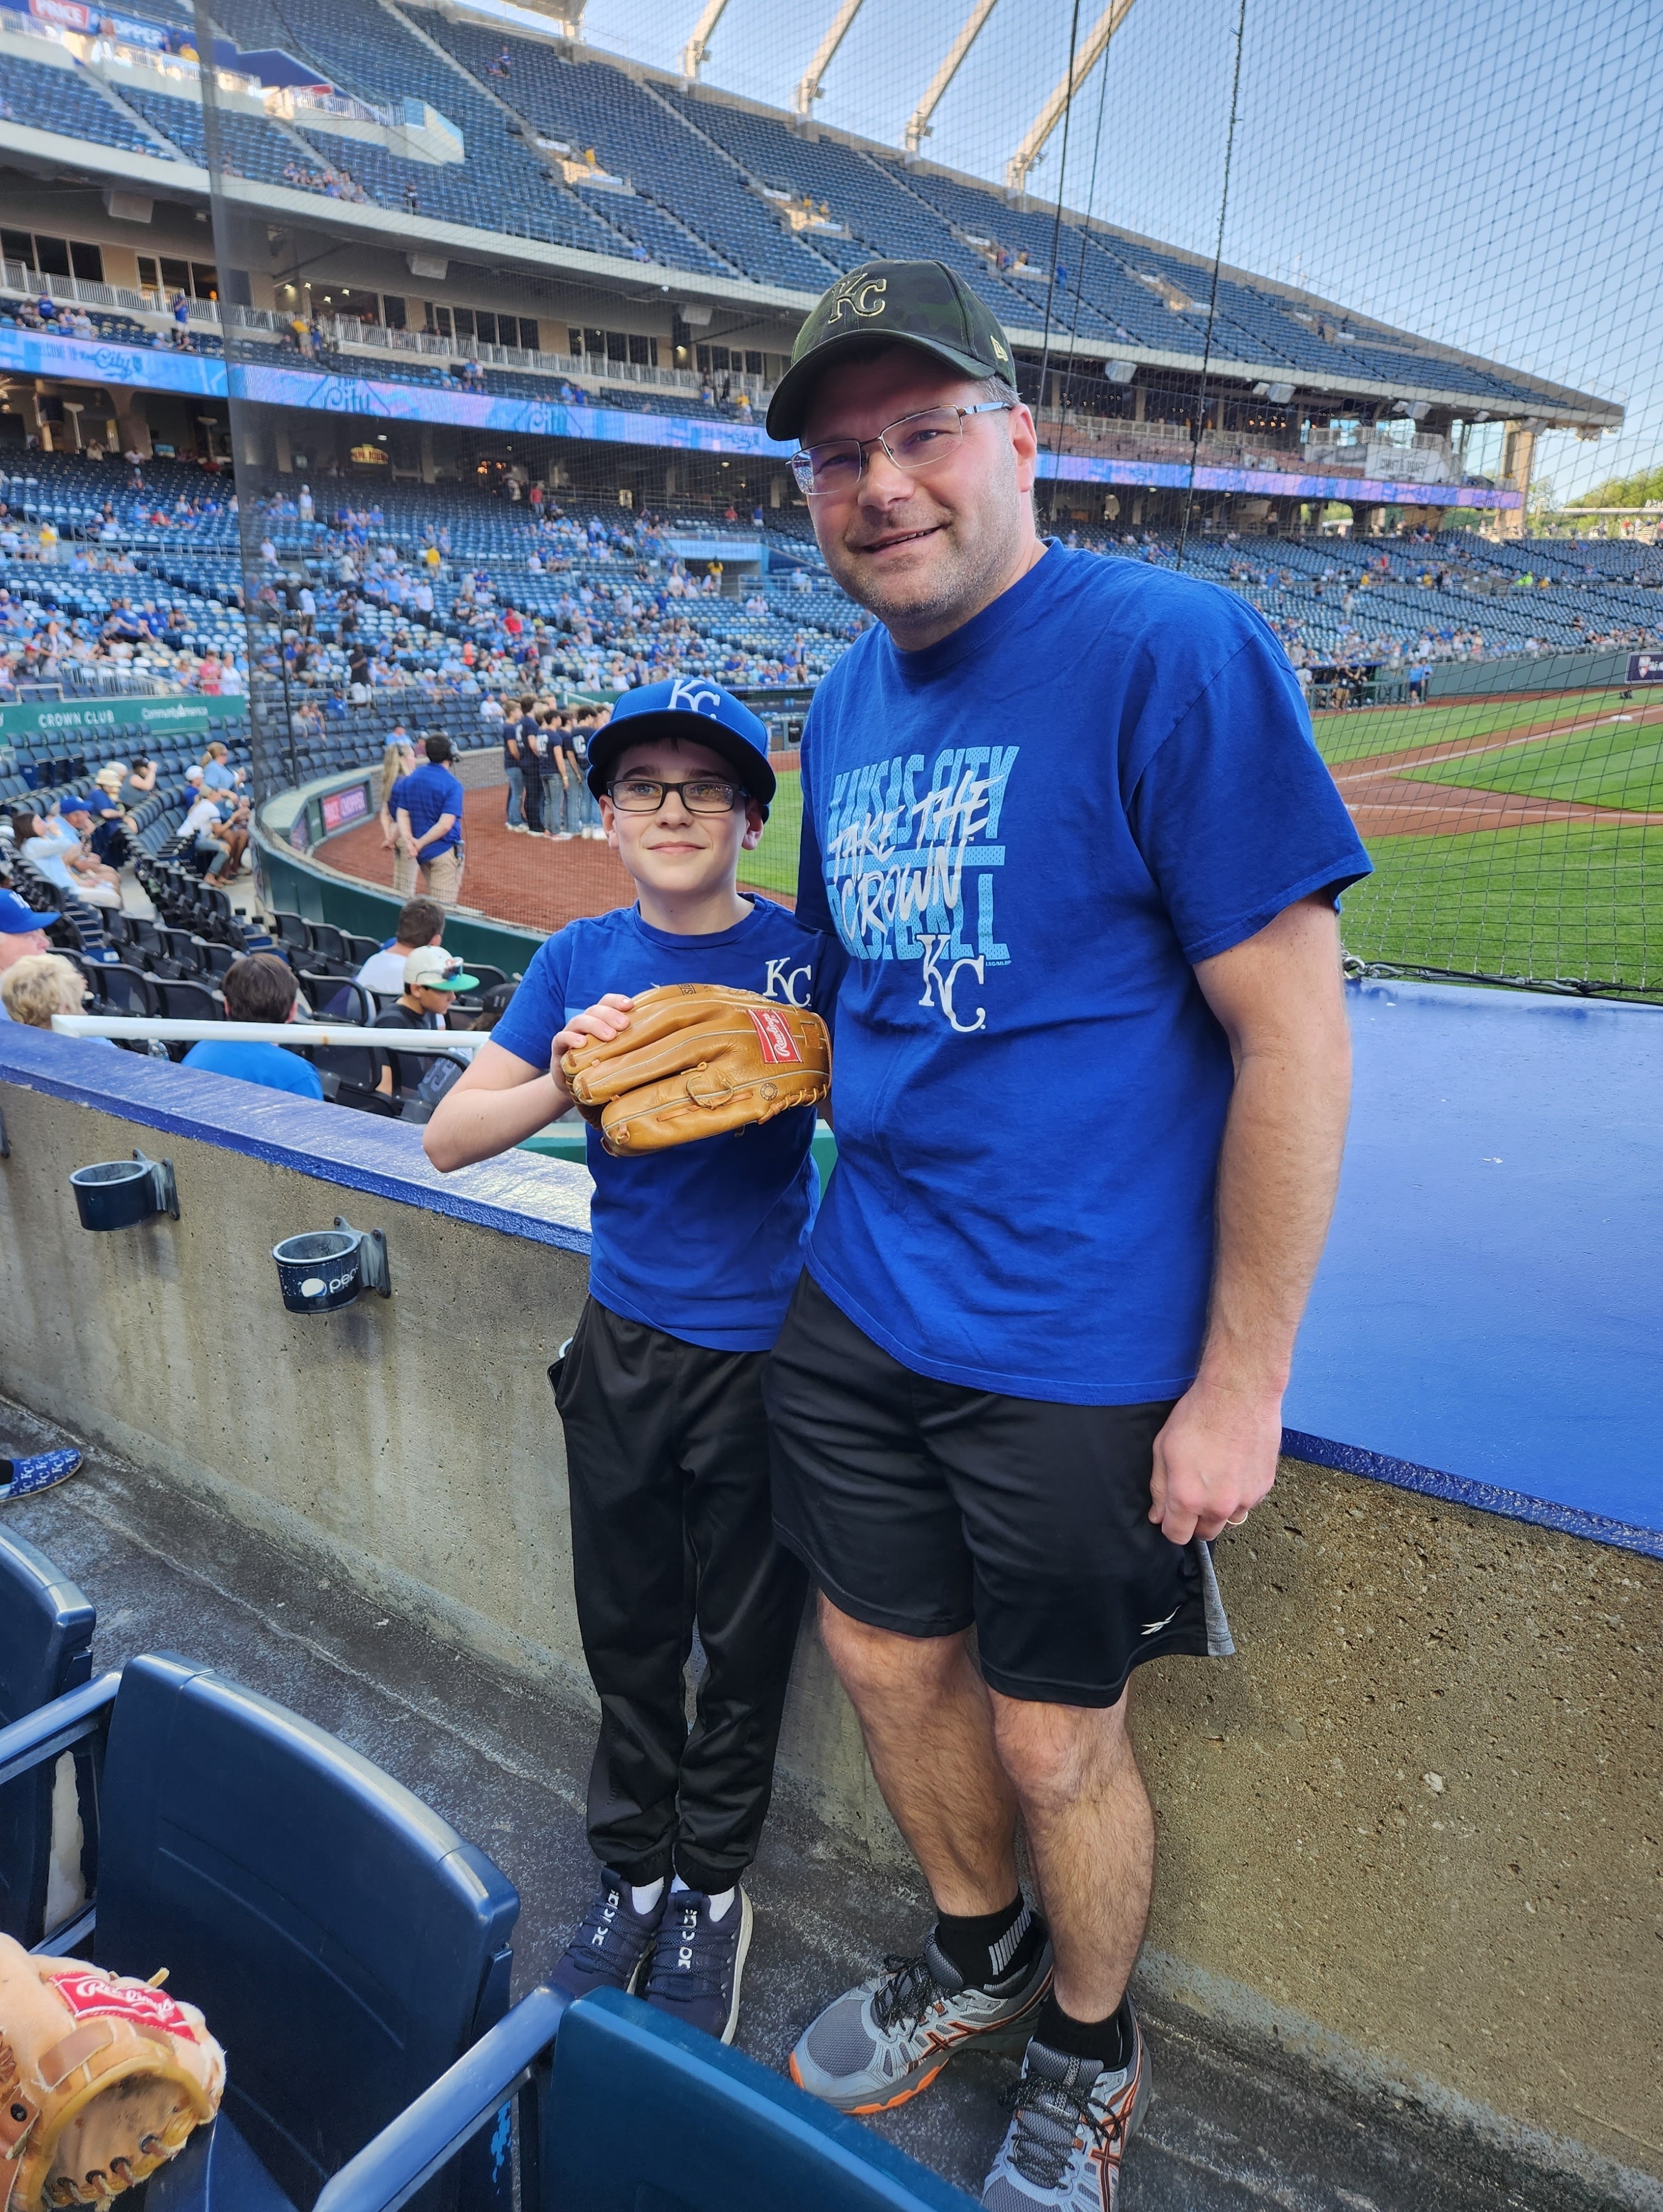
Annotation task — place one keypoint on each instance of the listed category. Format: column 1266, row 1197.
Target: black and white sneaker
column 698, row 1962
column 613, row 1946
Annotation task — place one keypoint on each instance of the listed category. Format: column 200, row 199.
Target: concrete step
column 503, row 1759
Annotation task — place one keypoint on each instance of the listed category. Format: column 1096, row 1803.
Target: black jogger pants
column 667, row 1460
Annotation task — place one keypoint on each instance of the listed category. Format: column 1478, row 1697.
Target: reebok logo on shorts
column 773, row 1035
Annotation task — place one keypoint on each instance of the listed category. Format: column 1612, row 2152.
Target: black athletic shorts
column 925, row 1507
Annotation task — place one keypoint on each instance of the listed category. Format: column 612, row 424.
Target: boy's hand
column 607, row 1019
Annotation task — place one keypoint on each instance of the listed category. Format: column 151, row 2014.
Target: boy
column 695, row 1252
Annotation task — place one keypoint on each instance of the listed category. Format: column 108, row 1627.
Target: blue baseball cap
column 694, row 710
column 92, row 802
column 16, row 920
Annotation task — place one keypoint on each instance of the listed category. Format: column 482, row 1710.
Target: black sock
column 1109, row 2041
column 980, row 1945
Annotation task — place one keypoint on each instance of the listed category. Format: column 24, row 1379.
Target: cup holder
column 322, row 1270
column 117, row 1194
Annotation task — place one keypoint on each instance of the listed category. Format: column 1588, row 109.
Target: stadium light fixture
column 809, row 89
column 1090, row 53
column 919, row 126
column 698, row 46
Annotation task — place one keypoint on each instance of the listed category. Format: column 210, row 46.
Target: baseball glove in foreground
column 101, row 2081
column 696, row 1060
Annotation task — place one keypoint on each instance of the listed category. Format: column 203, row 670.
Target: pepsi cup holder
column 117, row 1194
column 324, row 1269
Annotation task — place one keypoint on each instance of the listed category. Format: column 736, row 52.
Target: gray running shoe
column 881, row 2043
column 1071, row 2122
column 612, row 1946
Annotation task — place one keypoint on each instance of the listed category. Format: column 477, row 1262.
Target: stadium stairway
column 1226, row 2131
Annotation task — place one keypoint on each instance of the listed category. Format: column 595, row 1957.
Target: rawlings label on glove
column 101, row 2081
column 697, row 1060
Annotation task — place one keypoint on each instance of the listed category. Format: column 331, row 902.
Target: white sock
column 644, row 1899
column 720, row 1899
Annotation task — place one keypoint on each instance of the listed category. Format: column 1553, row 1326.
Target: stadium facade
column 421, row 246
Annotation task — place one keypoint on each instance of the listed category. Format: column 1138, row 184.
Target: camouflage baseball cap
column 917, row 303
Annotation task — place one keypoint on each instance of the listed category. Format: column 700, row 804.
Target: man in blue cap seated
column 695, row 1254
column 23, row 930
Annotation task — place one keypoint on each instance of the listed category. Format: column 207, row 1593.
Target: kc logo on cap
column 688, row 696
column 862, row 292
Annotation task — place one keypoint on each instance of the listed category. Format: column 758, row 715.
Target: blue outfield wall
column 207, row 376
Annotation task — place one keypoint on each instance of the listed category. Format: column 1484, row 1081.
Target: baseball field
column 1509, row 836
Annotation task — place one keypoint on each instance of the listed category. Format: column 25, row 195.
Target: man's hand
column 1214, row 1460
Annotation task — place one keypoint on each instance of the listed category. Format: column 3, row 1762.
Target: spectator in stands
column 432, row 979
column 429, row 817
column 110, row 839
column 420, row 925
column 217, row 773
column 207, row 830
column 60, row 852
column 33, row 989
column 260, row 988
column 23, row 932
column 139, row 784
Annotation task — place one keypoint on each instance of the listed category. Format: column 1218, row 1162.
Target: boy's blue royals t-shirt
column 1024, row 836
column 706, row 1241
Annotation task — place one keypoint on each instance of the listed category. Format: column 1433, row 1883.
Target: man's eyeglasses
column 915, row 443
column 640, row 795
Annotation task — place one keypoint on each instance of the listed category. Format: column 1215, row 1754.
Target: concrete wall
column 1412, row 1831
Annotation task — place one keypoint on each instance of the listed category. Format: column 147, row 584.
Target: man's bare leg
column 925, row 1713
column 1090, row 1836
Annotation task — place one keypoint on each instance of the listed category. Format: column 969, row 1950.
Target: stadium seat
column 343, row 1942
column 726, row 2135
column 45, row 1650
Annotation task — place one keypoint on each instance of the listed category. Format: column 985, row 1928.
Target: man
column 217, row 773
column 421, row 923
column 429, row 817
column 61, row 855
column 22, row 933
column 432, row 980
column 1066, row 816
column 259, row 988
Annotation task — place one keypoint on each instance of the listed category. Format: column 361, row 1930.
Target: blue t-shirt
column 425, row 793
column 1025, row 835
column 269, row 1064
column 704, row 1242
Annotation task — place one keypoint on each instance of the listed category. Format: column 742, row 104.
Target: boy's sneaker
column 613, row 1946
column 698, row 1962
column 1070, row 2121
column 881, row 2043
column 22, row 1477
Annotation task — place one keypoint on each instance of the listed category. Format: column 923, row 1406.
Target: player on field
column 695, row 1253
column 1067, row 818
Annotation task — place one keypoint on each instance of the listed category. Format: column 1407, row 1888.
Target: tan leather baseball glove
column 698, row 1060
column 101, row 2081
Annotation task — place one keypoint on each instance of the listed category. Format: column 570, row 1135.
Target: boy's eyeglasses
column 644, row 795
column 913, row 443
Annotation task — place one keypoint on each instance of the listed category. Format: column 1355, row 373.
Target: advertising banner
column 131, row 719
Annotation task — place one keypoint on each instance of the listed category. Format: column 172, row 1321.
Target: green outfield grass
column 1557, row 899
column 1360, row 733
column 772, row 866
column 1616, row 765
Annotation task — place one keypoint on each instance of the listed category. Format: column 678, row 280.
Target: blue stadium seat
column 343, row 1942
column 725, row 2134
column 45, row 1650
